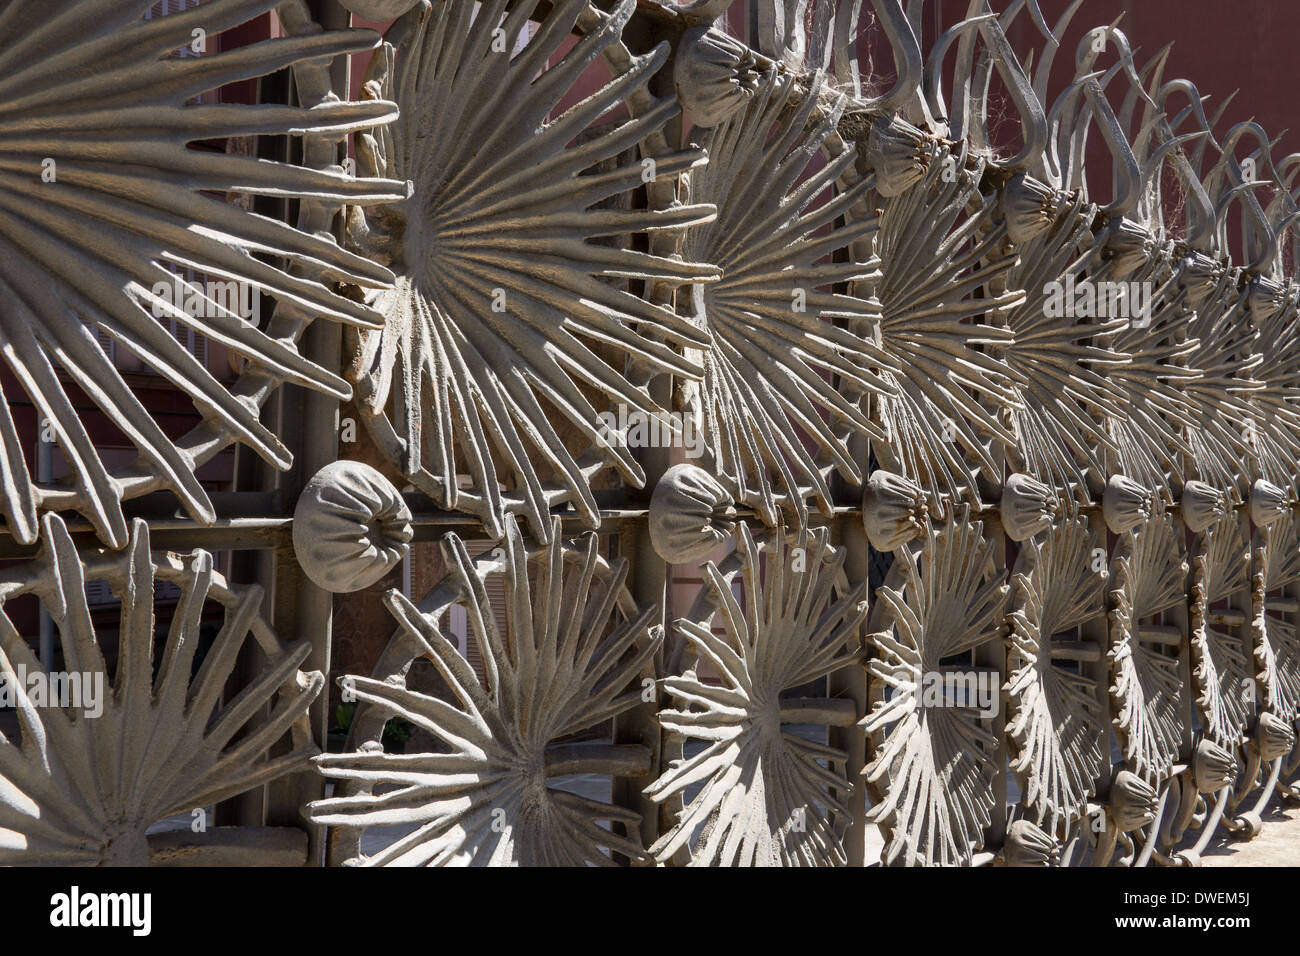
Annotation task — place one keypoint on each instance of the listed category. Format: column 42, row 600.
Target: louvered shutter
column 458, row 621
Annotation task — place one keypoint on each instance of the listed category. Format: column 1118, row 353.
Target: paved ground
column 1278, row 844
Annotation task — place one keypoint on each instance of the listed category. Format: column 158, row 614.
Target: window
column 106, row 341
column 195, row 344
column 165, row 7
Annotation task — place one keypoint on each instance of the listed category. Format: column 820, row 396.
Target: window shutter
column 107, row 343
column 193, row 342
column 458, row 620
column 496, row 592
column 99, row 594
column 199, row 346
column 166, row 7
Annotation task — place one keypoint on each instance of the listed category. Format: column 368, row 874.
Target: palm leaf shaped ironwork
column 932, row 768
column 1055, row 721
column 82, row 789
column 770, row 796
column 95, row 120
column 784, row 378
column 506, row 334
column 939, row 247
column 1148, row 577
column 1222, row 662
column 571, row 658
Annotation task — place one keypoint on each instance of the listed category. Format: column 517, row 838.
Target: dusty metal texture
column 666, row 334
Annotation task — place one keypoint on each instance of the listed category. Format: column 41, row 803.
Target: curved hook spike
column 1291, row 219
column 1058, row 164
column 823, row 35
column 976, row 114
column 1273, row 241
column 844, row 54
column 908, row 62
column 1157, row 134
column 1035, row 14
column 1154, row 72
column 1087, row 54
column 1150, row 211
column 1196, row 200
column 1295, row 249
column 1226, row 200
column 933, row 84
column 1214, row 121
column 1042, row 76
column 1216, row 241
column 1266, row 221
column 1289, row 168
column 1195, row 104
column 1195, row 107
column 1228, row 160
column 1152, row 165
column 1033, row 119
column 960, row 126
column 1127, row 173
column 1158, row 155
column 1283, row 202
column 1155, row 68
column 1200, row 220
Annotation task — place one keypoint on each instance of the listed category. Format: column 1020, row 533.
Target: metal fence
column 822, row 473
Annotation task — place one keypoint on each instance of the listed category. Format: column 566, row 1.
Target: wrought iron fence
column 821, row 474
